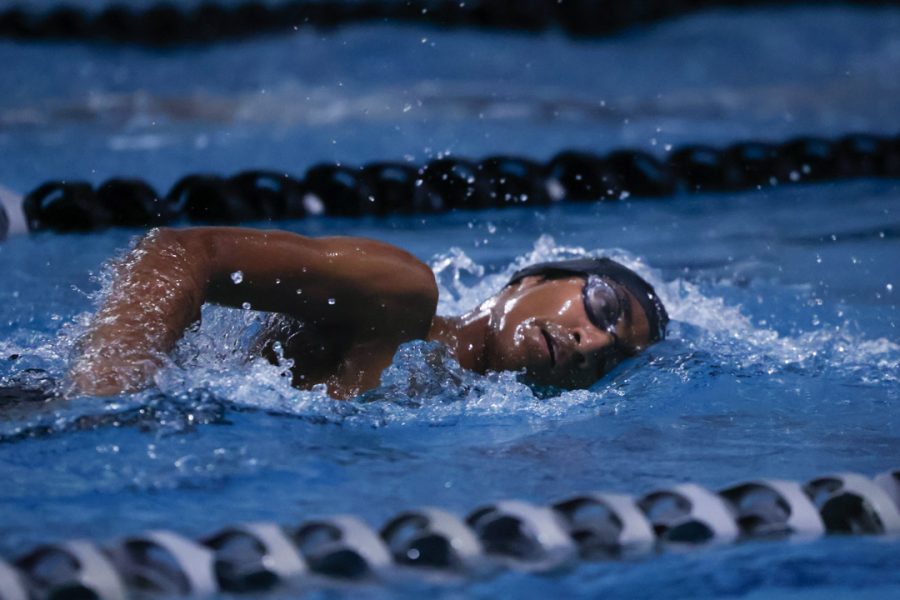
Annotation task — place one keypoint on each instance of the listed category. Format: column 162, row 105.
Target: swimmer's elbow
column 182, row 256
column 193, row 243
column 159, row 237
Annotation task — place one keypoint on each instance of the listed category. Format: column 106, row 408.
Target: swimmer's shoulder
column 399, row 292
column 388, row 285
column 405, row 275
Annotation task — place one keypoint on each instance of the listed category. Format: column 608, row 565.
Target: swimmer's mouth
column 550, row 347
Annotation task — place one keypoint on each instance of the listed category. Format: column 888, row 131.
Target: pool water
column 783, row 357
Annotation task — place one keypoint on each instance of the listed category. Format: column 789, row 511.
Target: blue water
column 783, row 358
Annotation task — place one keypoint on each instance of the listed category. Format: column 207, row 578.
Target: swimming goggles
column 604, row 302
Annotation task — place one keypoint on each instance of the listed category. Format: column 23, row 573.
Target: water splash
column 211, row 371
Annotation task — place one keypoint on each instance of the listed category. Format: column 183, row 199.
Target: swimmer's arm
column 379, row 295
column 367, row 296
column 316, row 280
column 156, row 294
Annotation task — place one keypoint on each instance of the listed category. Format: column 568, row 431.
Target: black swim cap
column 608, row 268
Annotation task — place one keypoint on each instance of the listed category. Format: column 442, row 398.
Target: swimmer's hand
column 368, row 296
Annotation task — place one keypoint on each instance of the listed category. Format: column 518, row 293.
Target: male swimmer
column 342, row 306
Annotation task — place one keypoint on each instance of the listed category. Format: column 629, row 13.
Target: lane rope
column 449, row 183
column 434, row 545
column 167, row 24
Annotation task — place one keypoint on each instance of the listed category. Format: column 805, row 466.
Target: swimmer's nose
column 586, row 344
column 587, row 341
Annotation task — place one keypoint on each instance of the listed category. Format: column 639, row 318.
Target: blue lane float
column 432, row 545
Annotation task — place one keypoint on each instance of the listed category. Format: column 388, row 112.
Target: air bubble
column 237, row 277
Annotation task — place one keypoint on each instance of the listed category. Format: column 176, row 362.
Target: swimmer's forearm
column 157, row 294
column 373, row 289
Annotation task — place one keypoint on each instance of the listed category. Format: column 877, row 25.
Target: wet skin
column 341, row 307
column 542, row 326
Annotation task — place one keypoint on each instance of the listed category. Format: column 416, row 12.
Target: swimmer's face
column 542, row 326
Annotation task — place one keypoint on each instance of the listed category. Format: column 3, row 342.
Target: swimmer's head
column 567, row 323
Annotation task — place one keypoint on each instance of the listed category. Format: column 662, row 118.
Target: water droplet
column 237, row 277
column 246, row 306
column 332, row 301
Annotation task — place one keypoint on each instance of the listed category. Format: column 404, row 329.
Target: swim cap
column 646, row 296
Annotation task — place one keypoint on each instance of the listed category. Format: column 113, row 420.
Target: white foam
column 425, row 384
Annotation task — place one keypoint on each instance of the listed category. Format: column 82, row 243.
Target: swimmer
column 341, row 306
